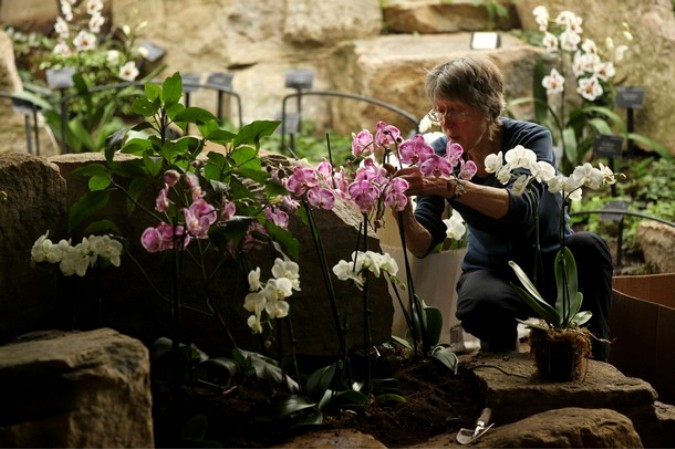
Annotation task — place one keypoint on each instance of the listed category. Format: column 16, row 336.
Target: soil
column 436, row 402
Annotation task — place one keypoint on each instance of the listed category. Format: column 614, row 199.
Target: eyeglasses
column 443, row 116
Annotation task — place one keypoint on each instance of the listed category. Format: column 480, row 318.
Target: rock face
column 567, row 428
column 84, row 389
column 431, row 16
column 258, row 41
column 36, row 203
column 657, row 241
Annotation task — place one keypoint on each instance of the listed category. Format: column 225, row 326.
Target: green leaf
column 434, row 325
column 389, row 399
column 194, row 115
column 348, row 399
column 152, row 91
column 101, row 227
column 544, row 310
column 267, row 369
column 286, row 239
column 570, row 145
column 650, row 144
column 446, row 357
column 153, row 164
column 281, row 407
column 566, row 280
column 582, row 318
column 143, row 106
column 87, row 205
column 220, row 368
column 91, row 170
column 137, row 186
column 97, row 182
column 527, row 283
column 253, row 132
column 319, row 381
column 136, row 146
column 172, row 90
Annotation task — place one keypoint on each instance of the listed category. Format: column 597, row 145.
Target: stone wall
column 259, row 40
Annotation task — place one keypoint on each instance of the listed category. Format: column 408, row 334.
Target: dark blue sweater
column 493, row 242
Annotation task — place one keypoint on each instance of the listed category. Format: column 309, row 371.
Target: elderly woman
column 467, row 98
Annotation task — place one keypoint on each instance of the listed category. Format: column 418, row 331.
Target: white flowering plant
column 576, row 120
column 77, row 259
column 97, row 59
column 522, row 163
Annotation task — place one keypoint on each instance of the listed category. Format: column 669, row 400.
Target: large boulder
column 256, row 40
column 393, row 68
column 35, row 203
column 657, row 241
column 437, row 16
column 83, row 389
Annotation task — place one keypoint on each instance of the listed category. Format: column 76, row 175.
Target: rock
column 435, row 16
column 393, row 68
column 29, row 15
column 570, row 427
column 657, row 241
column 36, row 195
column 82, row 389
column 338, row 438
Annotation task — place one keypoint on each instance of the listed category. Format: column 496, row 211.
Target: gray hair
column 474, row 80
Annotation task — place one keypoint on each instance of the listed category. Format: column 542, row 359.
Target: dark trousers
column 487, row 304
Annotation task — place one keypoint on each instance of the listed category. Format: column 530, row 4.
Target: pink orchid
column 321, row 197
column 467, row 169
column 436, row 165
column 300, row 180
column 364, row 194
column 386, row 135
column 453, row 153
column 277, row 216
column 199, row 217
column 362, row 143
column 171, row 177
column 228, row 210
column 414, row 150
column 162, row 202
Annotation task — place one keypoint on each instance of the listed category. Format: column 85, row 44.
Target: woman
column 467, row 96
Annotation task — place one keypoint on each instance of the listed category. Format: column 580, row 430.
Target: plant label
column 630, row 97
column 608, row 145
column 191, row 82
column 222, row 81
column 60, row 78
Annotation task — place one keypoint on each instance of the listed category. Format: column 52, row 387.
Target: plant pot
column 561, row 356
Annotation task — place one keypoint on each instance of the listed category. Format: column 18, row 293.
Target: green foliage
column 646, row 189
column 566, row 311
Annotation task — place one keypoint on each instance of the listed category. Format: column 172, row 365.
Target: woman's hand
column 427, row 185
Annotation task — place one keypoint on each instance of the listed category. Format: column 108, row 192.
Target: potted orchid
column 562, row 320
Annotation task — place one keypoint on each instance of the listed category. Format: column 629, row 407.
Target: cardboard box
column 642, row 324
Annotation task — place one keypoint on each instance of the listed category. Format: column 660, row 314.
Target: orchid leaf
column 543, row 309
column 319, row 381
column 446, row 357
column 566, row 278
column 527, row 283
column 582, row 318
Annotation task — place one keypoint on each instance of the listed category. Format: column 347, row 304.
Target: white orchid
column 456, row 229
column 362, row 262
column 554, row 82
column 271, row 296
column 77, row 259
